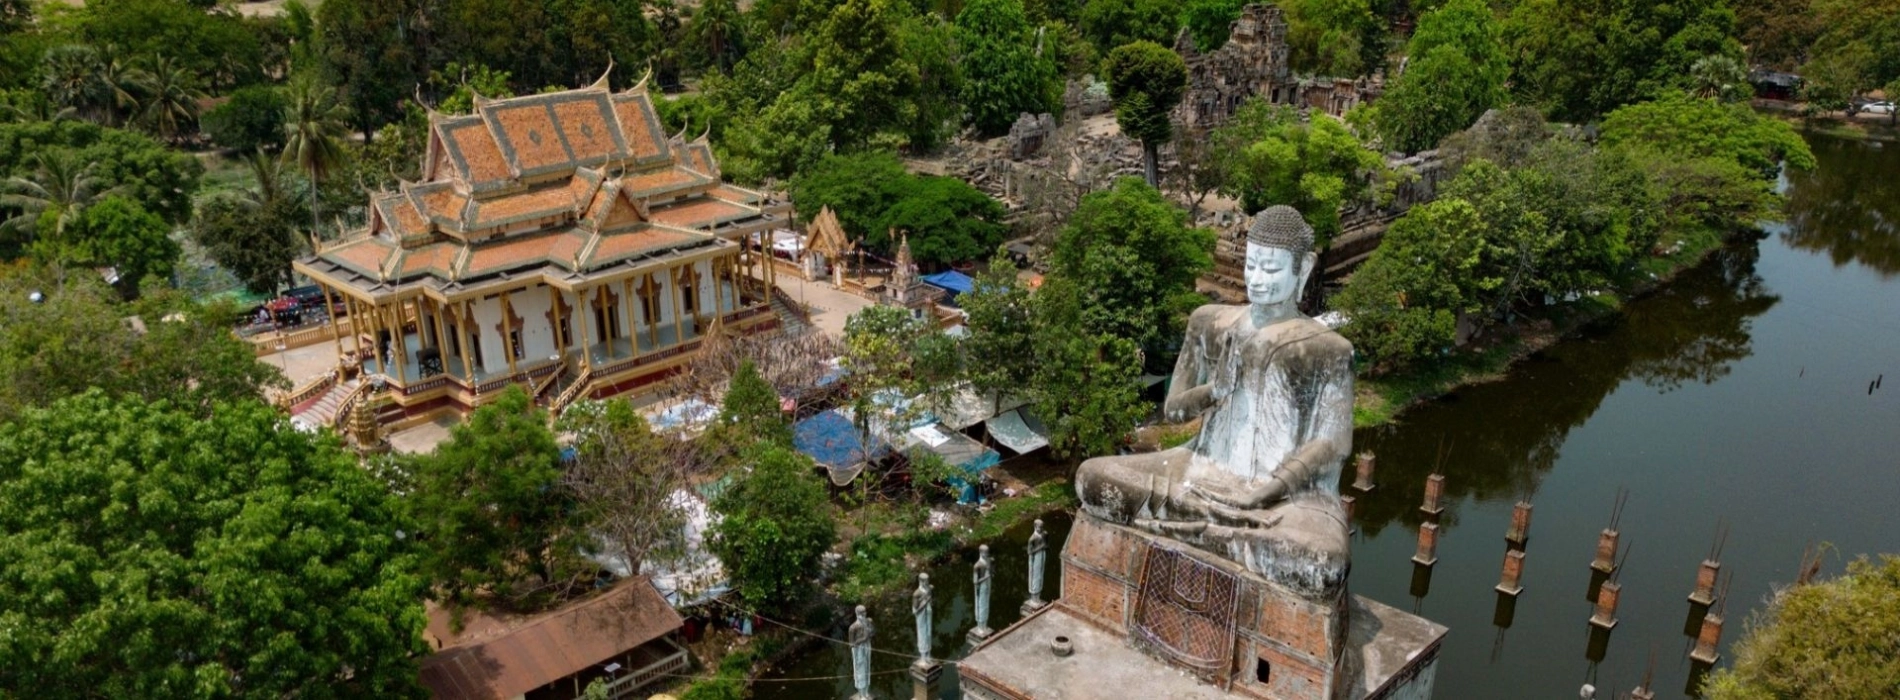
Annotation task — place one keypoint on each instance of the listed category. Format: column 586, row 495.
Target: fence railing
column 313, row 389
column 341, row 421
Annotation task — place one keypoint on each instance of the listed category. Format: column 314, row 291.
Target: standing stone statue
column 981, row 574
column 920, row 609
column 1273, row 388
column 860, row 638
column 1038, row 550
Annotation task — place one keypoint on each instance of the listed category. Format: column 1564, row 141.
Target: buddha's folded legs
column 1124, row 488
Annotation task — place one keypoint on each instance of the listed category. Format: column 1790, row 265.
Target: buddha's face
column 1272, row 279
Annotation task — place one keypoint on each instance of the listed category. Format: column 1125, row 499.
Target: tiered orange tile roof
column 559, row 181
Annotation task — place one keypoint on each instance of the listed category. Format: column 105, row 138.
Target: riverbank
column 1380, row 400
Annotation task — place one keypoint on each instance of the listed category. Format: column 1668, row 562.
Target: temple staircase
column 792, row 318
column 324, row 411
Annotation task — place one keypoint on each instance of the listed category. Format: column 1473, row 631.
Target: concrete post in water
column 1038, row 550
column 1511, row 581
column 1709, row 638
column 1362, row 477
column 1520, row 531
column 1427, row 545
column 1704, row 593
column 1434, row 490
column 1642, row 693
column 1605, row 616
column 1606, row 552
column 981, row 575
column 860, row 638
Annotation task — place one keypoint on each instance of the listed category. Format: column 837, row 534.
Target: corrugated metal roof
column 502, row 657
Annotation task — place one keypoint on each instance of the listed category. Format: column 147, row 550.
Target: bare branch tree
column 792, row 364
column 629, row 481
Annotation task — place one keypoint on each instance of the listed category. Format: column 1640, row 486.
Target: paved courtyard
column 829, row 305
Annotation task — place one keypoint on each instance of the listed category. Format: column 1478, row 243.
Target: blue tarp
column 830, row 438
column 951, row 281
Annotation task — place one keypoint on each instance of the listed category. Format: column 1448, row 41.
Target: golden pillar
column 508, row 332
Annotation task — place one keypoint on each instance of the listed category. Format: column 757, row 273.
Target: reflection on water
column 1504, row 436
column 1849, row 206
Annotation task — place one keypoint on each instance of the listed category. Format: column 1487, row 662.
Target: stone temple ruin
column 1253, row 63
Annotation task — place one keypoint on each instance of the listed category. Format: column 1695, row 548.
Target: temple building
column 560, row 241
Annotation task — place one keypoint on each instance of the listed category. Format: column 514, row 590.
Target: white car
column 1883, row 108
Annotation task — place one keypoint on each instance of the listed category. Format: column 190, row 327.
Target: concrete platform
column 1396, row 655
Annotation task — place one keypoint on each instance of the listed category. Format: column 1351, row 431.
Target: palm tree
column 119, row 86
column 70, row 75
column 60, row 183
column 1718, row 77
column 714, row 27
column 314, row 129
column 173, row 102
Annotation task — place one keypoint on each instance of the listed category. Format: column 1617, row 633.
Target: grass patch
column 878, row 562
column 1380, row 399
column 1054, row 494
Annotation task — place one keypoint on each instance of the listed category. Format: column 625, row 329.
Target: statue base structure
column 1141, row 615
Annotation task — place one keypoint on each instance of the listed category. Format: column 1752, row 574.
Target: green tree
column 1719, row 77
column 1335, row 37
column 774, row 524
column 719, row 32
column 1146, row 81
column 948, row 220
column 70, row 76
column 1778, row 33
column 1854, row 50
column 170, row 107
column 626, row 480
column 116, row 233
column 1405, row 301
column 252, row 119
column 1086, row 384
column 365, row 50
column 78, row 338
column 1317, row 167
column 253, row 234
column 1684, row 127
column 152, row 552
column 1457, row 70
column 1110, row 24
column 751, row 412
column 497, row 528
column 61, row 187
column 1634, row 50
column 216, row 47
column 1003, row 76
column 161, row 179
column 1130, row 259
column 1836, row 638
column 1208, row 21
column 999, row 354
column 313, row 135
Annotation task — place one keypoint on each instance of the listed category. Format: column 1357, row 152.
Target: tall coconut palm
column 1718, row 77
column 271, row 175
column 314, row 129
column 120, row 85
column 60, row 183
column 69, row 75
column 172, row 103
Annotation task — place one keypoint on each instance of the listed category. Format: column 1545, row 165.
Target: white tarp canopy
column 697, row 576
column 1019, row 431
column 969, row 408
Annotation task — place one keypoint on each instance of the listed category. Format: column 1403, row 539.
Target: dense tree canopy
column 497, row 529
column 1856, row 48
column 160, row 179
column 1002, row 74
column 115, row 233
column 80, row 337
column 1457, row 70
column 148, row 551
column 1130, row 257
column 1269, row 155
column 1110, row 24
column 946, row 219
column 1579, row 60
column 253, row 118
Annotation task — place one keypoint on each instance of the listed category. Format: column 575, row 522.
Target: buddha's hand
column 1191, row 403
column 1249, row 497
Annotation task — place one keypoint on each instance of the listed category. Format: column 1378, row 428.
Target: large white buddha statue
column 1260, row 483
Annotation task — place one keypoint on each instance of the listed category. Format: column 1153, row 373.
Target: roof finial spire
column 601, row 83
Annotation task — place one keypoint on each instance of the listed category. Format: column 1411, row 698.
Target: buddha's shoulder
column 1312, row 336
column 1209, row 316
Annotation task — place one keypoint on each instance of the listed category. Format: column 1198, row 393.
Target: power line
column 808, row 633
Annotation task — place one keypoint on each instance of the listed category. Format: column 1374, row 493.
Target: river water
column 1738, row 394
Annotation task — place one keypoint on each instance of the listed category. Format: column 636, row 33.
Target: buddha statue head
column 1279, row 257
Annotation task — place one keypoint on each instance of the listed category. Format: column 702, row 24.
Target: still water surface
column 1737, row 394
